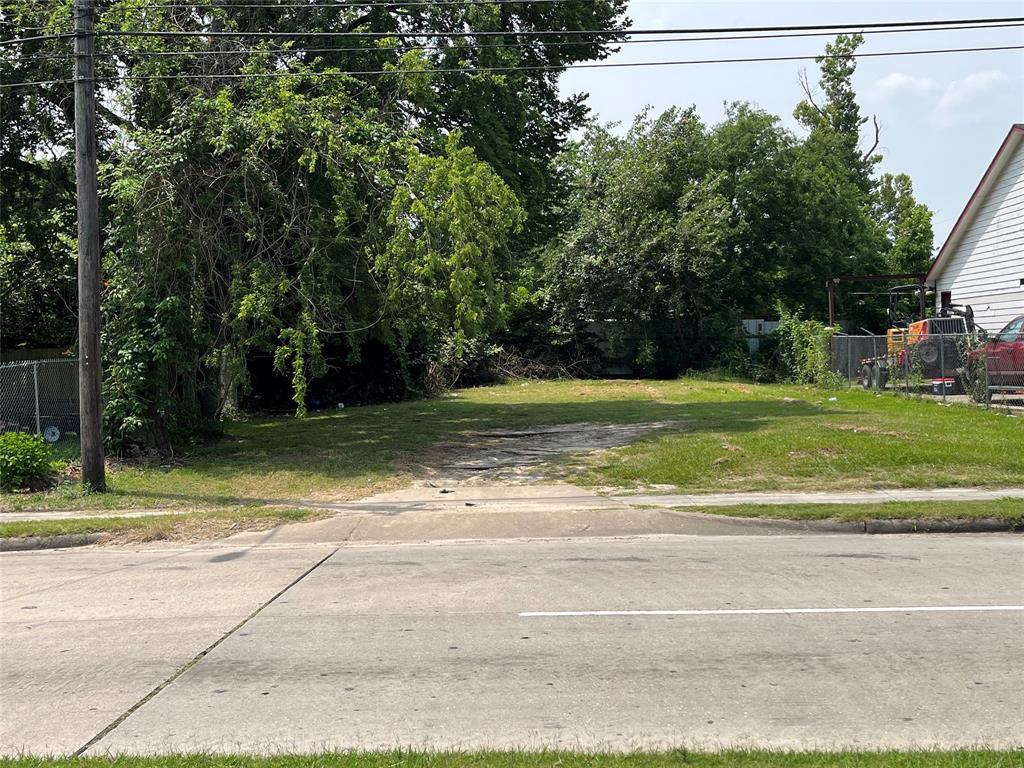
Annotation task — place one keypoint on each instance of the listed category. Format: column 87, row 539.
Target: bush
column 804, row 352
column 24, row 462
column 975, row 379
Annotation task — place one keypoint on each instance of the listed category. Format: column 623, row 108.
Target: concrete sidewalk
column 549, row 499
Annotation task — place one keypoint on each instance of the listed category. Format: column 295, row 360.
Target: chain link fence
column 959, row 366
column 40, row 396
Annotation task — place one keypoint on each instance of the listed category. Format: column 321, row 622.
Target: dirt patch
column 190, row 530
column 859, row 428
column 527, row 455
column 828, row 453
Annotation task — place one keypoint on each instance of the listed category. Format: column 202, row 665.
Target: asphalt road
column 516, row 644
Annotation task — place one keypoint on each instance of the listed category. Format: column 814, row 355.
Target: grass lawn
column 183, row 526
column 729, row 436
column 674, row 759
column 1003, row 509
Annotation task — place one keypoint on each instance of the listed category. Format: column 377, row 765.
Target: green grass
column 733, row 436
column 672, row 759
column 200, row 523
column 1003, row 509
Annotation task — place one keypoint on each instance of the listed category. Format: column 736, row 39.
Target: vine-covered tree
column 271, row 192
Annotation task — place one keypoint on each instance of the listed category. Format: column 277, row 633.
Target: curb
column 879, row 526
column 62, row 541
column 925, row 525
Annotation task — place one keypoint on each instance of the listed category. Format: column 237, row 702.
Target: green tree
column 262, row 195
column 837, row 121
column 642, row 263
column 446, row 263
column 674, row 231
column 906, row 224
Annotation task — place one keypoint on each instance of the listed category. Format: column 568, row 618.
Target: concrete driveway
column 255, row 643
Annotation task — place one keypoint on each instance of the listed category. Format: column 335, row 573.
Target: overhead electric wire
column 523, row 68
column 553, row 32
column 36, row 38
column 495, row 46
column 525, row 33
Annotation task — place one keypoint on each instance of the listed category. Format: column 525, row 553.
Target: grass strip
column 519, row 759
column 186, row 525
column 1003, row 509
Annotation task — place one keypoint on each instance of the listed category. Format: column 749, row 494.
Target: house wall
column 986, row 270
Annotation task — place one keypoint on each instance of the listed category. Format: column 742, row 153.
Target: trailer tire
column 865, row 375
column 927, row 352
column 879, row 376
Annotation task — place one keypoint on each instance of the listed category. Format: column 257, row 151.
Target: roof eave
column 1013, row 137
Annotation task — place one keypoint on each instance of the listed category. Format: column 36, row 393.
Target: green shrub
column 25, row 461
column 975, row 379
column 804, row 352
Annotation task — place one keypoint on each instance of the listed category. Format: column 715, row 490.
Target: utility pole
column 90, row 373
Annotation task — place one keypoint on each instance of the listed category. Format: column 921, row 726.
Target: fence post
column 849, row 361
column 35, row 387
column 988, row 392
column 942, row 363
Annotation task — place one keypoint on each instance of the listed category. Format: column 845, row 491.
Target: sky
column 943, row 116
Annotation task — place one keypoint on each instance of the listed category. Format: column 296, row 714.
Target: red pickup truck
column 1003, row 355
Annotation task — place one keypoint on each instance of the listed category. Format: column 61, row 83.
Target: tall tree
column 906, row 224
column 271, row 192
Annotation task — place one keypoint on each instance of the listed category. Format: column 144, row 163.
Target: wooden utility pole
column 90, row 373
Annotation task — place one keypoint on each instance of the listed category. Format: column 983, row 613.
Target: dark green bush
column 804, row 355
column 25, row 462
column 975, row 379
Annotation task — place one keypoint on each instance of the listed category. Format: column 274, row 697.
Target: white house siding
column 986, row 269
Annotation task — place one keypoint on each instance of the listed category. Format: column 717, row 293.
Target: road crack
column 197, row 658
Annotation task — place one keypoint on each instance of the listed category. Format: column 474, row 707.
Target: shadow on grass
column 377, row 439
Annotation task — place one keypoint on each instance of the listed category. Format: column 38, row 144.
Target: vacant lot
column 710, row 436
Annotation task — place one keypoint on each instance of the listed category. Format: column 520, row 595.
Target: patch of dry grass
column 197, row 525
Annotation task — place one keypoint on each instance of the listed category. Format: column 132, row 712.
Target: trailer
column 933, row 348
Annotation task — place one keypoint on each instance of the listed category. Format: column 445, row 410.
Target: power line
column 531, row 33
column 36, row 38
column 557, row 32
column 527, row 68
column 496, row 46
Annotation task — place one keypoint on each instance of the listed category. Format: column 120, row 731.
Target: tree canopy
column 294, row 218
column 676, row 230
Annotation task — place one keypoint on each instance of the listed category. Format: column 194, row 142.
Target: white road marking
column 772, row 611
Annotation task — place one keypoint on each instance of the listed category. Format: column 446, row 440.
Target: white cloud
column 960, row 99
column 900, row 84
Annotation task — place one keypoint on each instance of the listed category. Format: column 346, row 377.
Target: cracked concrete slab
column 509, row 512
column 88, row 632
column 428, row 645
